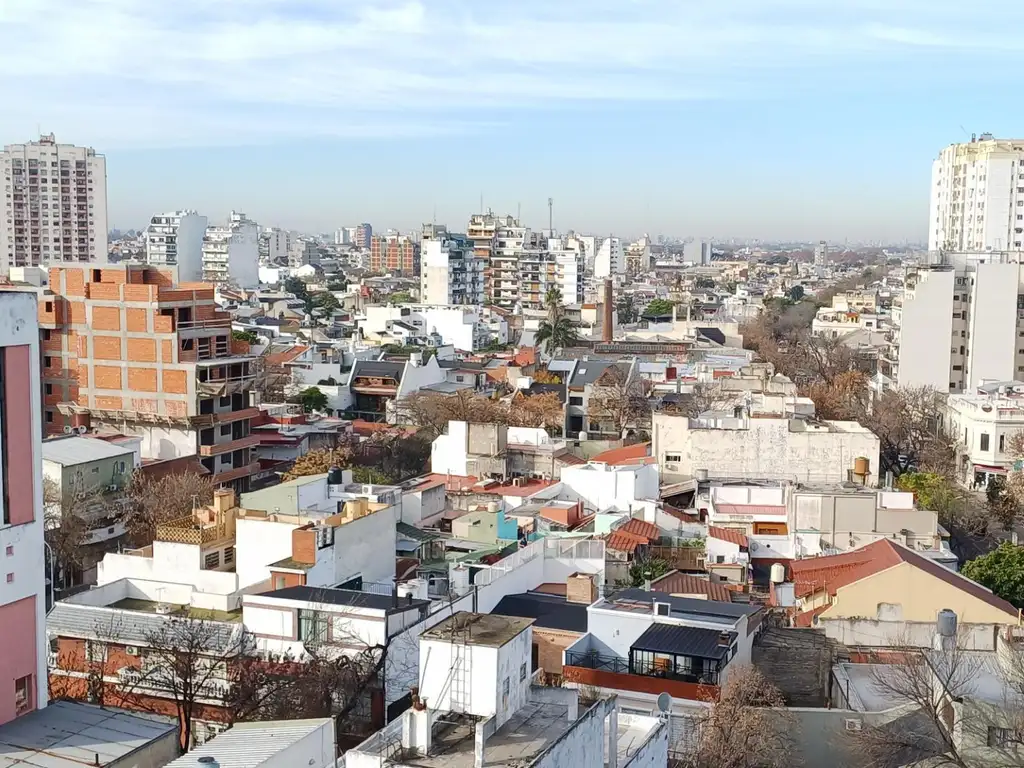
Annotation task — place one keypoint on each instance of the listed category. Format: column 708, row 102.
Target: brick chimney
column 304, row 544
column 608, row 308
column 580, row 588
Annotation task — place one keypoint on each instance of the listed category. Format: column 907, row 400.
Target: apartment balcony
column 613, row 672
column 229, row 417
column 236, row 473
column 249, row 441
column 185, row 530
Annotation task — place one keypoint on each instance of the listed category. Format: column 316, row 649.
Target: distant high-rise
column 176, row 239
column 231, row 253
column 363, row 235
column 610, row 259
column 394, row 253
column 977, row 196
column 821, row 254
column 55, row 207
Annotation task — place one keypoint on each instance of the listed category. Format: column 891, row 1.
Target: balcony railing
column 233, row 445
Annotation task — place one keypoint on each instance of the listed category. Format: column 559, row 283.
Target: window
column 212, row 560
column 1002, row 737
column 673, row 458
column 312, row 627
column 984, row 441
column 95, row 470
column 48, row 388
column 23, row 695
column 229, row 555
column 958, row 367
column 1002, row 443
column 49, row 417
column 522, row 671
column 225, row 402
column 575, row 400
column 95, row 651
column 225, row 430
column 119, row 468
column 504, row 694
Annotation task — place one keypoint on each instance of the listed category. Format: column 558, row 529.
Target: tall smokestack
column 607, row 323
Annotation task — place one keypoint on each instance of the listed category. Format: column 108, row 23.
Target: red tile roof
column 642, row 528
column 728, row 534
column 678, row 583
column 624, row 455
column 750, row 509
column 531, row 487
column 571, row 459
column 623, row 541
column 288, row 356
column 405, row 567
column 836, row 571
column 806, row 619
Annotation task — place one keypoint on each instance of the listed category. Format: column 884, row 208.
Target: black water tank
column 334, row 476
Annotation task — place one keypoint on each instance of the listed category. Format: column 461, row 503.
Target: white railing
column 574, row 549
column 510, row 563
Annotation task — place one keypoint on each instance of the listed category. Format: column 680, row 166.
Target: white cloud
column 158, row 72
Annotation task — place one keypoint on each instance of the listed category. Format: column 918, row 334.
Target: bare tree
column 619, row 401
column 152, row 501
column 906, row 420
column 319, row 462
column 66, row 519
column 707, row 397
column 745, row 728
column 431, row 412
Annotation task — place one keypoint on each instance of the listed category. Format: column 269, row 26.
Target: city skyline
column 777, row 120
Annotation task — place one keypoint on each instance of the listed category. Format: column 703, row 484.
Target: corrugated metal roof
column 69, row 451
column 685, row 641
column 249, row 745
column 92, row 622
column 70, row 734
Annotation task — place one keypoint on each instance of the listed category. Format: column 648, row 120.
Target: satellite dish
column 664, row 702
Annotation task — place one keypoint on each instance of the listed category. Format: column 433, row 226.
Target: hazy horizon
column 778, row 119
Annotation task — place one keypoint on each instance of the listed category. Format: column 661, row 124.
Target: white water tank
column 414, row 588
column 459, row 580
column 778, row 574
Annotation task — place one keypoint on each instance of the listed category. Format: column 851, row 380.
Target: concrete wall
column 459, row 677
column 604, row 487
column 926, row 325
column 583, row 744
column 314, row 749
column 992, row 346
column 653, row 753
column 258, row 543
column 759, row 448
column 882, row 634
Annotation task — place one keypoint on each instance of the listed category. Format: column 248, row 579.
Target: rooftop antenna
column 481, row 202
column 519, row 213
column 551, row 217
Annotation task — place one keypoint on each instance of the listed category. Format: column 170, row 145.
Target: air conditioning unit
column 131, row 650
column 854, row 724
column 164, row 609
column 113, row 487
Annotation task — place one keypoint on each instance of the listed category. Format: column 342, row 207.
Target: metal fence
column 596, row 661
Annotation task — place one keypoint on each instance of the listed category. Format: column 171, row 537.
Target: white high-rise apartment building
column 610, row 259
column 274, row 245
column 821, row 254
column 959, row 322
column 231, row 254
column 977, row 196
column 176, row 238
column 544, row 269
column 450, row 273
column 54, row 205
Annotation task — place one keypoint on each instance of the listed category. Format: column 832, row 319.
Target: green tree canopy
column 556, row 333
column 796, row 293
column 248, row 336
column 327, row 302
column 312, row 399
column 646, row 569
column 1002, row 571
column 400, row 297
column 659, row 308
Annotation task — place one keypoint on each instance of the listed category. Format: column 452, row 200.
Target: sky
column 777, row 119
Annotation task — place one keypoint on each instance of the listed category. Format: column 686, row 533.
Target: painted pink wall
column 18, row 641
column 21, row 470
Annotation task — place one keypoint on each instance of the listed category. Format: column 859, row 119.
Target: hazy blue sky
column 770, row 118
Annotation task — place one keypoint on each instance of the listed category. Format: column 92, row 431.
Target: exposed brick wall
column 110, row 403
column 142, row 379
column 175, row 382
column 106, row 377
column 175, row 408
column 550, row 644
column 106, row 318
column 145, row 405
column 108, row 347
column 167, row 351
column 137, row 320
column 142, row 350
column 283, row 579
column 304, row 545
column 76, row 312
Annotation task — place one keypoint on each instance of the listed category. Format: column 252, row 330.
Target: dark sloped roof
column 378, row 368
column 686, row 641
column 412, row 532
column 589, row 371
column 548, row 611
column 349, row 597
column 712, row 334
column 687, row 604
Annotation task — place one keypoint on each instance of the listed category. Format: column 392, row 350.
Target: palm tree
column 553, row 302
column 556, row 333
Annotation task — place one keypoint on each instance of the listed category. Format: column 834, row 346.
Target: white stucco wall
column 258, row 543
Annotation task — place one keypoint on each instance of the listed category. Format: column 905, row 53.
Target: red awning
column 990, row 468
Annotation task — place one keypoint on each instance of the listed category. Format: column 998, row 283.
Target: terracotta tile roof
column 531, row 487
column 806, row 619
column 451, row 482
column 678, row 583
column 624, row 455
column 750, row 509
column 728, row 534
column 288, row 356
column 836, row 571
column 571, row 459
column 623, row 541
column 642, row 528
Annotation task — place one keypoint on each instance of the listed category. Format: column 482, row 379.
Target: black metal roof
column 686, row 604
column 349, row 597
column 548, row 611
column 381, row 368
column 712, row 334
column 685, row 641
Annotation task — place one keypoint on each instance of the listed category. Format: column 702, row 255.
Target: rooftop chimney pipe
column 607, row 323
